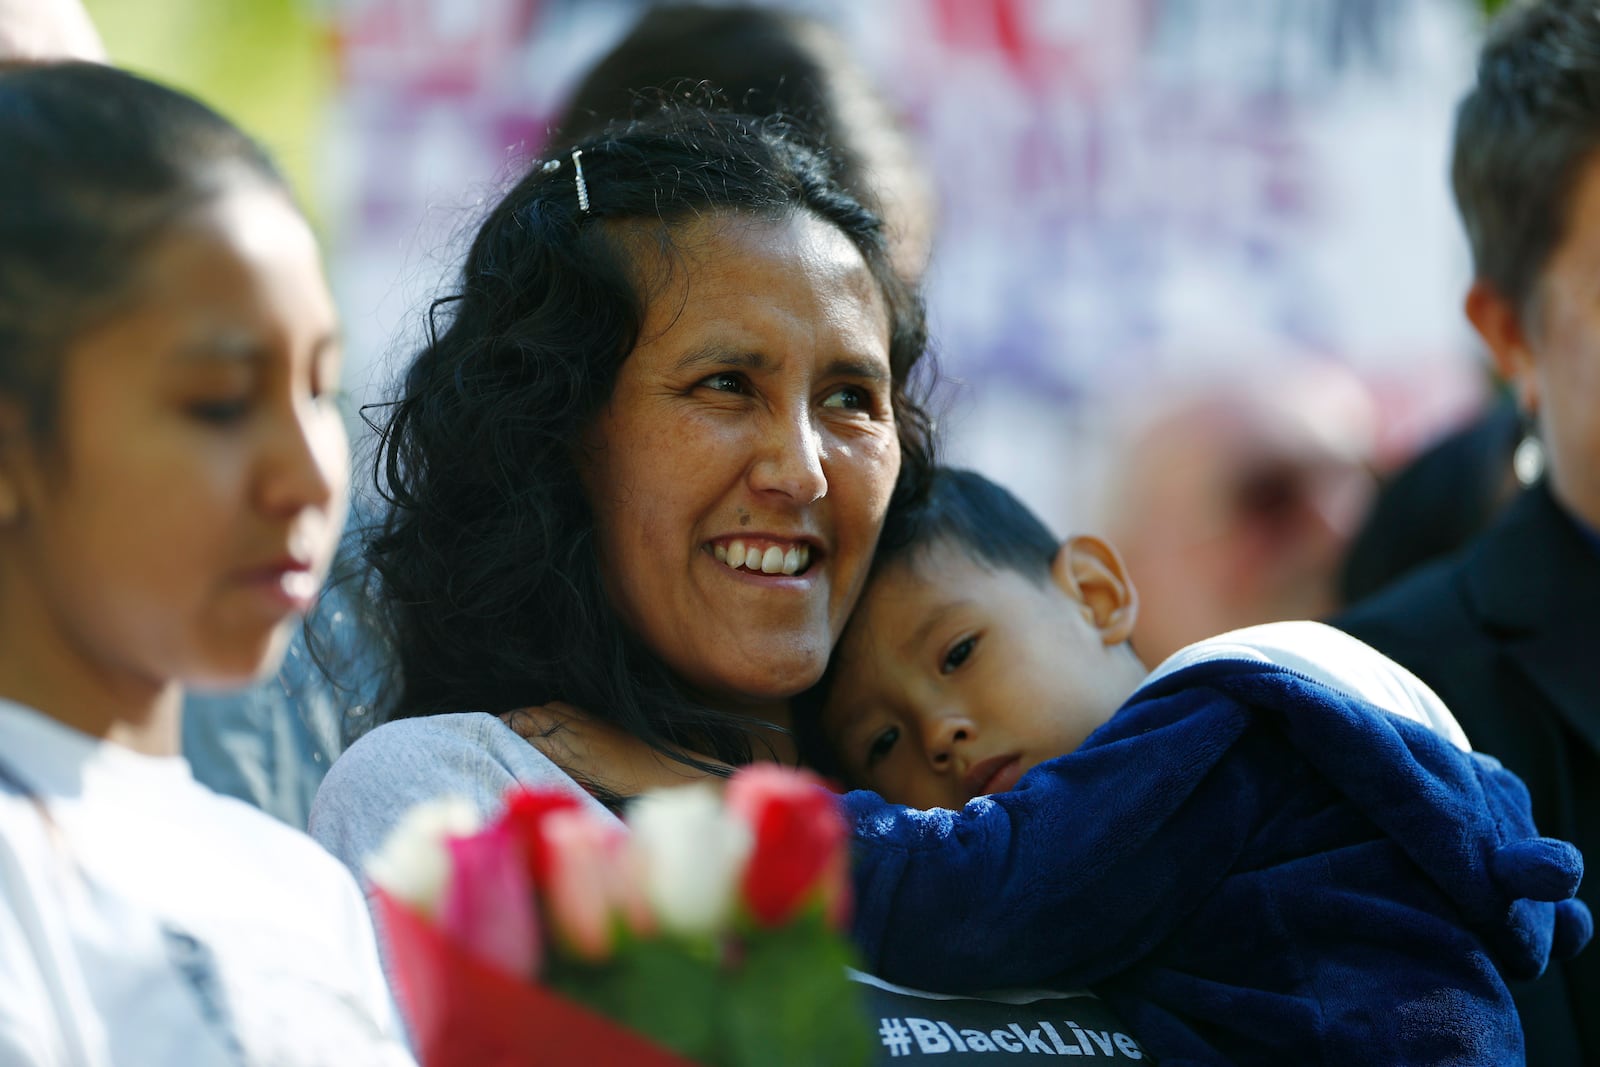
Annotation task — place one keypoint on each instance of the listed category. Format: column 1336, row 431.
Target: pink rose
column 589, row 883
column 488, row 905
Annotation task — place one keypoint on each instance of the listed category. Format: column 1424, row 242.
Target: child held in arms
column 1274, row 848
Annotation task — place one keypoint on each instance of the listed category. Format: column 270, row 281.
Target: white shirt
column 145, row 920
column 1333, row 658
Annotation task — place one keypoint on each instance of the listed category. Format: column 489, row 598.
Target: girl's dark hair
column 94, row 164
column 486, row 562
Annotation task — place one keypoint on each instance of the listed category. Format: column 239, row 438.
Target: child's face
column 953, row 679
column 188, row 500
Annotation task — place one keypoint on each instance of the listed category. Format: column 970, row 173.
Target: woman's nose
column 306, row 463
column 790, row 463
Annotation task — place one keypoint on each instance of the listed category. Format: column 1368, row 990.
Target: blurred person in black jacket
column 1508, row 630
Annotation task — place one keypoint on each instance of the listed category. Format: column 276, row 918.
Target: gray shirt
column 395, row 766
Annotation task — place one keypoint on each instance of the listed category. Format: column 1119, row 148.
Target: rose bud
column 524, row 815
column 413, row 866
column 581, row 888
column 488, row 904
column 800, row 852
column 692, row 853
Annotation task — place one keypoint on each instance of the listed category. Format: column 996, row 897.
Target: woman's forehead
column 737, row 257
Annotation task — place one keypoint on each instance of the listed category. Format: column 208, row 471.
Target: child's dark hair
column 94, row 164
column 1522, row 136
column 487, row 562
column 964, row 509
column 961, row 509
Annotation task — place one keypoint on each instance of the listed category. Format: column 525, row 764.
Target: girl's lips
column 287, row 585
column 997, row 774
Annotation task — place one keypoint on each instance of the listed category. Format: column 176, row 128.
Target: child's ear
column 1499, row 323
column 1091, row 572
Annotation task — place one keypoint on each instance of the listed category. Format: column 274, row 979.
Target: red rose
column 799, row 853
column 523, row 818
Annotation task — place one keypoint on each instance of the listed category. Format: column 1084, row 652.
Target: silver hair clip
column 577, row 180
column 550, row 166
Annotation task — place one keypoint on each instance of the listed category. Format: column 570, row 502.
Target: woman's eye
column 880, row 746
column 220, row 412
column 849, row 397
column 957, row 655
column 337, row 399
column 725, row 382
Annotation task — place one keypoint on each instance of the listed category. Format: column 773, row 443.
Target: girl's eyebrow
column 232, row 346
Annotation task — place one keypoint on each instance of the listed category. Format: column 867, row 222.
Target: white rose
column 692, row 853
column 414, row 863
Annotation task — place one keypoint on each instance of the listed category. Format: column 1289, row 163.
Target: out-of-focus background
column 1196, row 276
column 1195, row 280
column 1133, row 196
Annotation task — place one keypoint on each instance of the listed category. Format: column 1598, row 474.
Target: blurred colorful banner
column 1133, row 197
column 266, row 64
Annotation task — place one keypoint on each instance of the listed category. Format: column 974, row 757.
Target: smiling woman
column 751, row 427
column 642, row 471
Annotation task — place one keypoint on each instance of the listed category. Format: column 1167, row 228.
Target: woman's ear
column 1091, row 572
column 1499, row 323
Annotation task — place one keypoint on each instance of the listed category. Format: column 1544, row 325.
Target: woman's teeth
column 771, row 559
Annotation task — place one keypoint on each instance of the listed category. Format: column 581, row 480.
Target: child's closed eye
column 880, row 746
column 958, row 654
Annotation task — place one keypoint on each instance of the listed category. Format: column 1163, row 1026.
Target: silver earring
column 1527, row 462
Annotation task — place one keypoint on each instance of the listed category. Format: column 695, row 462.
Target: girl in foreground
column 172, row 483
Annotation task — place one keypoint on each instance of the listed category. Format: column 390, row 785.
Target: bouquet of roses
column 706, row 930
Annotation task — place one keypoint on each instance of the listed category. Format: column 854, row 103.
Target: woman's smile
column 755, row 554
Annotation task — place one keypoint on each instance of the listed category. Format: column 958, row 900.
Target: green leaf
column 662, row 989
column 790, row 1004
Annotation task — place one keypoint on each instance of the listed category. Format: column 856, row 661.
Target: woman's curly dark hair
column 488, row 575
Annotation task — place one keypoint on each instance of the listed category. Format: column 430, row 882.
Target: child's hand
column 603, row 755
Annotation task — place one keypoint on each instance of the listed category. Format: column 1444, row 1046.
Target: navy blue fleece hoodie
column 1250, row 867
